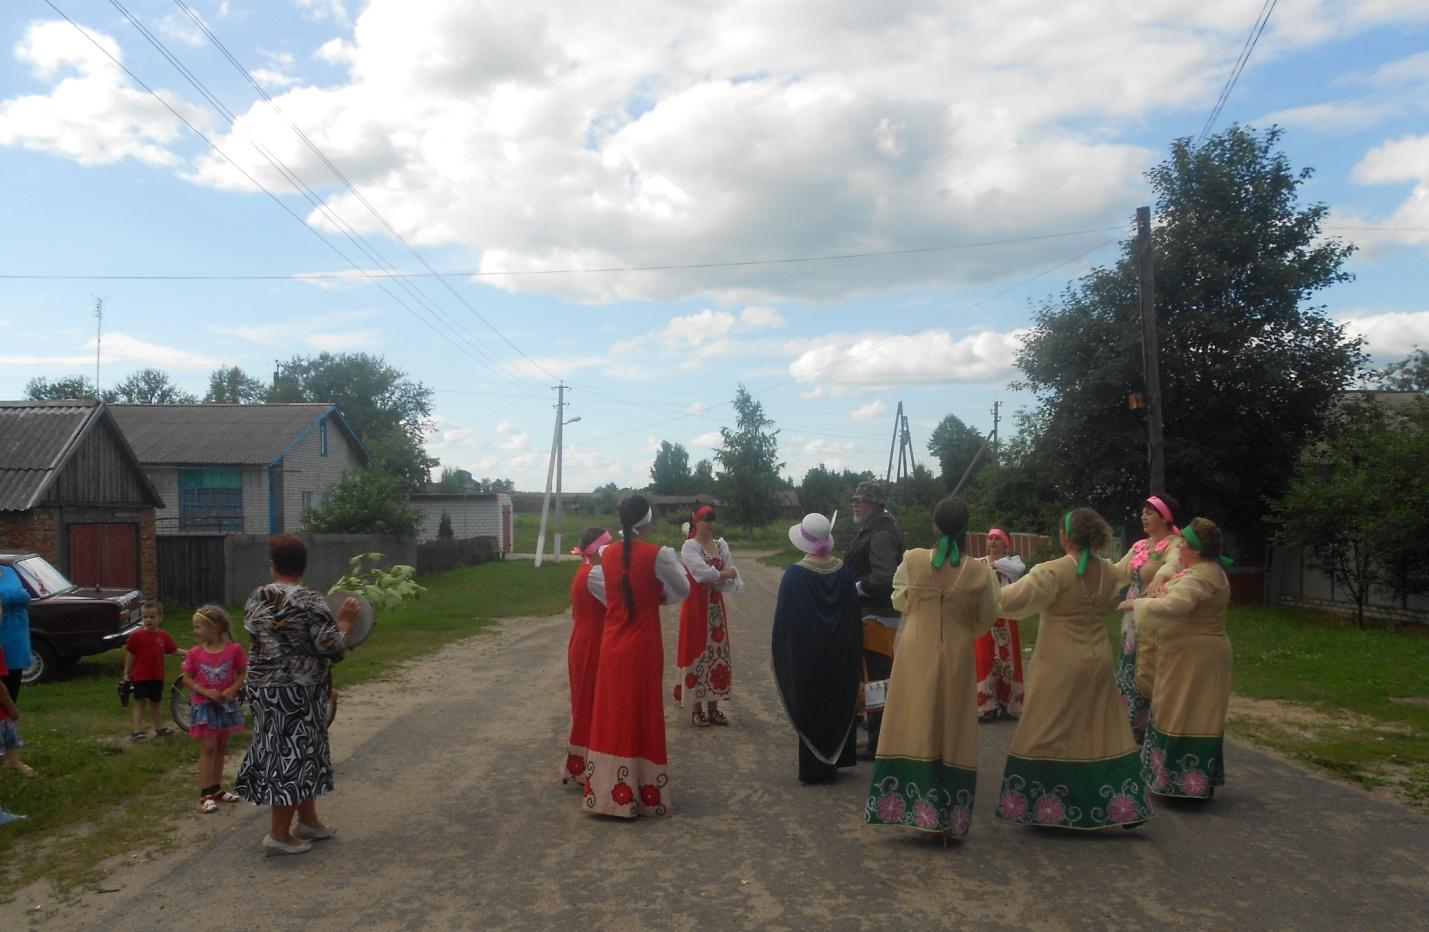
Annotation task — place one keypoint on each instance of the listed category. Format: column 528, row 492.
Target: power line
column 1251, row 41
column 198, row 21
column 477, row 273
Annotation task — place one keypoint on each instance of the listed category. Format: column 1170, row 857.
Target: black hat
column 870, row 490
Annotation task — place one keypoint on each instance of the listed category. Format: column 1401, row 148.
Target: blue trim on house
column 272, row 499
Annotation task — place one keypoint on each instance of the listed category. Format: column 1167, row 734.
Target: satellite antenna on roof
column 98, row 336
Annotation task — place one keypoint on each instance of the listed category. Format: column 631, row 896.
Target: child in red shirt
column 144, row 668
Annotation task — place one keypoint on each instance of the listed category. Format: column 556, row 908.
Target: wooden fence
column 437, row 555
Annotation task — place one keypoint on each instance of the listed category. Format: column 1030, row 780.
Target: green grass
column 1346, row 678
column 93, row 784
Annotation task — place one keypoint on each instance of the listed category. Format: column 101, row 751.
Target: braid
column 631, row 511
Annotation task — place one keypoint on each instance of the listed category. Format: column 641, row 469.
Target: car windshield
column 42, row 578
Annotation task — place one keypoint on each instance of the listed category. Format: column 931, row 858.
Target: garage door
column 104, row 555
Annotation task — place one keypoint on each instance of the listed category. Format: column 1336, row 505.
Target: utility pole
column 996, row 418
column 98, row 337
column 892, row 444
column 553, row 471
column 1151, row 366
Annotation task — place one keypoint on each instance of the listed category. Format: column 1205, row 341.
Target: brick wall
column 37, row 530
column 305, row 469
column 148, row 554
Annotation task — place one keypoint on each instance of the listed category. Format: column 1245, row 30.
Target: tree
column 496, row 485
column 365, row 501
column 606, row 498
column 68, row 388
column 233, row 386
column 391, row 412
column 749, row 464
column 1248, row 366
column 670, row 473
column 1354, row 501
column 703, row 480
column 1410, row 374
column 825, row 491
column 954, row 444
column 444, row 529
column 151, row 387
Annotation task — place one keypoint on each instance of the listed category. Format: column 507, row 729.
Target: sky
column 608, row 185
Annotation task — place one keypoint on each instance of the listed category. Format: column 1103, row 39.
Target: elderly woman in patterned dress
column 295, row 642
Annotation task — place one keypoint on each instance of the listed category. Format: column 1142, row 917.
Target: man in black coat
column 873, row 557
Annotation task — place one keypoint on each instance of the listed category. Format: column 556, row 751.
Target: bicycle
column 181, row 706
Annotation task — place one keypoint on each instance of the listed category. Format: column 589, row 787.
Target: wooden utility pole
column 996, row 418
column 550, row 475
column 98, row 338
column 1151, row 367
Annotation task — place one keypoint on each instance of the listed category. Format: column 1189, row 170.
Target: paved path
column 451, row 817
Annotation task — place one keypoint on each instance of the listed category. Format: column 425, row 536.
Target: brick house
column 240, row 469
column 72, row 490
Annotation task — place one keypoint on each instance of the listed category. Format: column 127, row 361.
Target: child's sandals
column 718, row 718
column 698, row 718
column 165, row 732
column 208, row 805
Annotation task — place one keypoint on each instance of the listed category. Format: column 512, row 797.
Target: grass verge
column 97, row 795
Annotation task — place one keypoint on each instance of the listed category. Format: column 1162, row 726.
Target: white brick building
column 249, row 469
column 474, row 514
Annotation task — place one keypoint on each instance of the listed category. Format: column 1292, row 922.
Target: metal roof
column 237, row 435
column 34, row 436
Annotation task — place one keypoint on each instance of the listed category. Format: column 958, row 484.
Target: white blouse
column 704, row 572
column 668, row 570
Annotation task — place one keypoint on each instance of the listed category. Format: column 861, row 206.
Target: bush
column 367, row 501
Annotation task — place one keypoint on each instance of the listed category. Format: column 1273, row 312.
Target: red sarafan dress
column 999, row 656
column 582, row 660
column 703, row 657
column 625, row 768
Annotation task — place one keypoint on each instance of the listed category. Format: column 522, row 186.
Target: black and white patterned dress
column 294, row 644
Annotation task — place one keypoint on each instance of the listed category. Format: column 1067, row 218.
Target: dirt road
column 452, row 816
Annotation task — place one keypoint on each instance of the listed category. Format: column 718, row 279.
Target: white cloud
column 874, row 409
column 572, row 135
column 93, row 114
column 319, row 10
column 272, row 79
column 709, row 440
column 118, row 348
column 333, row 332
column 693, row 338
column 1392, row 335
column 1335, row 117
column 178, row 28
column 929, row 357
column 1396, row 161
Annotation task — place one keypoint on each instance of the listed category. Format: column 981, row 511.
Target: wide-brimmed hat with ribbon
column 813, row 535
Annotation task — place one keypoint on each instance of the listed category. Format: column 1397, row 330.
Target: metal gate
column 192, row 570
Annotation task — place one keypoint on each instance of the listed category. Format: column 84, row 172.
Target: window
column 211, row 500
column 310, row 501
column 322, row 432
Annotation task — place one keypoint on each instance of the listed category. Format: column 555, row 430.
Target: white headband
column 645, row 521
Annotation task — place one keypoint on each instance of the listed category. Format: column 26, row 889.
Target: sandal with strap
column 208, row 805
column 699, row 720
column 718, row 718
column 227, row 796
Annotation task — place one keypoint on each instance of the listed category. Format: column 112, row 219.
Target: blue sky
column 556, row 136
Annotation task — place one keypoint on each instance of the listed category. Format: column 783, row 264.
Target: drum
column 362, row 625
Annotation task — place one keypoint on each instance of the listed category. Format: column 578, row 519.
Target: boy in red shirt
column 144, row 668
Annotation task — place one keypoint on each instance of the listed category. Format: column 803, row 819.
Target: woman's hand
column 728, row 573
column 347, row 614
column 1126, row 606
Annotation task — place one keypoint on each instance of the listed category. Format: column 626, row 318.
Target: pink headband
column 1164, row 512
column 822, row 546
column 593, row 549
column 999, row 532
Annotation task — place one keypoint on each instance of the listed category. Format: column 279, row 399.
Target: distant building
column 240, row 469
column 73, row 491
column 473, row 514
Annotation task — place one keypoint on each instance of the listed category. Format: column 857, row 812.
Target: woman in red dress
column 625, row 768
column 705, row 670
column 999, row 652
column 583, row 654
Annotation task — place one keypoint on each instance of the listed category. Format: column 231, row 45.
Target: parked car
column 67, row 622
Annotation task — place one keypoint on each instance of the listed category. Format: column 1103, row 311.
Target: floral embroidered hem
column 1189, row 766
column 927, row 795
column 573, row 767
column 1074, row 794
column 626, row 786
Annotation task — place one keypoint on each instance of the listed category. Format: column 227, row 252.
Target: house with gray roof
column 240, row 469
column 72, row 490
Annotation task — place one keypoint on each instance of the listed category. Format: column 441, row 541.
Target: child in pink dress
column 214, row 669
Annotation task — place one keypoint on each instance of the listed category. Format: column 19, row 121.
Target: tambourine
column 362, row 625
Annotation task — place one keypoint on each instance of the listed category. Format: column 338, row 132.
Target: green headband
column 1086, row 551
column 947, row 552
column 1190, row 534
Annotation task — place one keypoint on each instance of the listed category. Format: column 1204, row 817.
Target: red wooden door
column 104, row 555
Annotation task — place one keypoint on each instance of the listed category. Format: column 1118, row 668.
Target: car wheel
column 43, row 663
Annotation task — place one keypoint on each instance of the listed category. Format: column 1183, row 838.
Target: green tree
column 607, row 497
column 365, row 501
column 496, row 485
column 1354, row 501
column 232, row 386
column 444, row 529
column 151, row 387
column 954, row 444
column 749, row 464
column 1410, row 374
column 670, row 473
column 1248, row 365
column 391, row 412
column 67, row 388
column 703, row 480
